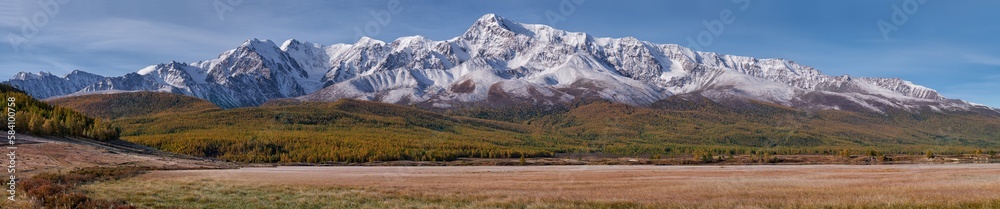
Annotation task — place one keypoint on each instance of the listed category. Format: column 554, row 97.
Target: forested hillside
column 115, row 106
column 362, row 131
column 39, row 118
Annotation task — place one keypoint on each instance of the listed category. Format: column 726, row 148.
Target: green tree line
column 39, row 118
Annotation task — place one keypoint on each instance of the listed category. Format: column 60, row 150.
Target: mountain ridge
column 496, row 61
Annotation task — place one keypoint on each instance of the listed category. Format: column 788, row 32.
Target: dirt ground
column 50, row 154
column 936, row 185
column 699, row 186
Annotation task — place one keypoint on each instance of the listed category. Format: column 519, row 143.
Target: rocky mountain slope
column 499, row 62
column 44, row 85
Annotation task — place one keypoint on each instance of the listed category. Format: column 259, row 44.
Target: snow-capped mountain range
column 497, row 61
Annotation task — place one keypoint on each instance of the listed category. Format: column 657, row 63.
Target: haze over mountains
column 499, row 62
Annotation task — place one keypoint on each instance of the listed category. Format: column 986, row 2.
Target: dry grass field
column 792, row 186
column 54, row 154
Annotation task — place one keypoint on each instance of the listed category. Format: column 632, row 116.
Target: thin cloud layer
column 941, row 45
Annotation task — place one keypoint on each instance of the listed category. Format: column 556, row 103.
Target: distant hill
column 133, row 104
column 364, row 131
column 342, row 131
column 39, row 118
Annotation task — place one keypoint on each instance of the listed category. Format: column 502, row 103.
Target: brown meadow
column 794, row 186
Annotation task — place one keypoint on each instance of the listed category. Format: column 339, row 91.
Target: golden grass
column 17, row 204
column 819, row 186
column 190, row 193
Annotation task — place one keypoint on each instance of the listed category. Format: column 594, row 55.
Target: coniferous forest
column 363, row 131
column 39, row 118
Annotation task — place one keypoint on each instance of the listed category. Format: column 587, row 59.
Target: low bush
column 58, row 190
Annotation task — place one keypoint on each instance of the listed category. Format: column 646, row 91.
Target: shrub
column 704, row 156
column 873, row 153
column 56, row 190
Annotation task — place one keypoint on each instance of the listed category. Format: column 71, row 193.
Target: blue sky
column 946, row 45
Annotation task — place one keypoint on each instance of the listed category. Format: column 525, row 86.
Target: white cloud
column 11, row 13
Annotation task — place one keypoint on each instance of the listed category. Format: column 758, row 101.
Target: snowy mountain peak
column 499, row 61
column 148, row 69
column 45, row 74
column 258, row 45
column 45, row 84
column 366, row 41
column 493, row 20
column 294, row 45
column 289, row 43
column 176, row 63
column 78, row 73
column 496, row 25
column 410, row 42
column 489, row 19
column 407, row 40
column 27, row 75
column 253, row 41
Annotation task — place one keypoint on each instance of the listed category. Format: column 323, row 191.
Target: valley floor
column 577, row 186
column 55, row 154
